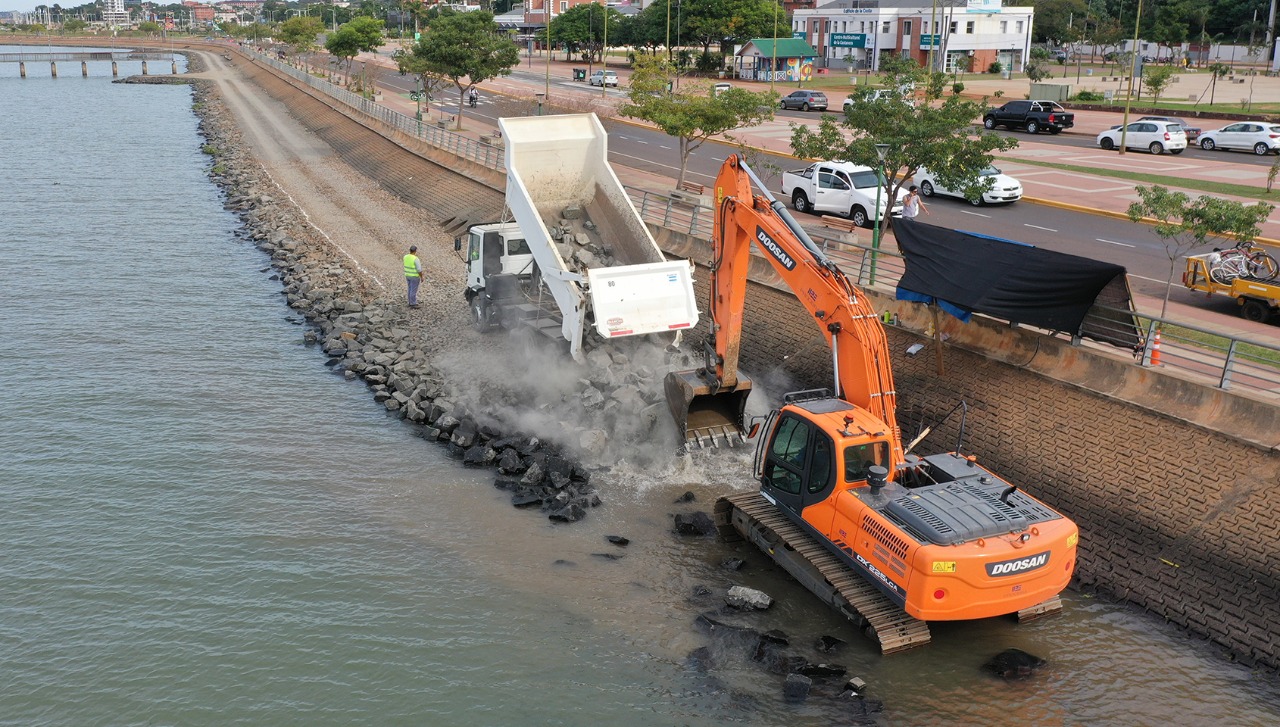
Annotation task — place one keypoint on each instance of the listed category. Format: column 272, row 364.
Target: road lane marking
column 663, row 146
column 1113, row 242
column 641, row 141
column 976, row 214
column 1038, row 227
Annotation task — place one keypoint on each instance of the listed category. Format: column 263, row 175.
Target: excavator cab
column 706, row 412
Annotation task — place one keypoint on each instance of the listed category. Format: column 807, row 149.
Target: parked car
column 1254, row 135
column 878, row 95
column 1001, row 188
column 1192, row 132
column 805, row 101
column 1061, row 55
column 1034, row 116
column 1156, row 137
column 840, row 187
column 604, row 78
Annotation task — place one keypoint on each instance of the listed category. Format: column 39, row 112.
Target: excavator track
column 750, row 516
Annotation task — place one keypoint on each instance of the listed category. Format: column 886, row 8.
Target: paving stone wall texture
column 1174, row 518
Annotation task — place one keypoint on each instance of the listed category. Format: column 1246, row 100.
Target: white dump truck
column 576, row 236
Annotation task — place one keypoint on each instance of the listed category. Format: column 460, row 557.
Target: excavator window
column 858, row 458
column 822, row 464
column 784, row 468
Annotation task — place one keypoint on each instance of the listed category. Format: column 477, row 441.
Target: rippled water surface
column 203, row 526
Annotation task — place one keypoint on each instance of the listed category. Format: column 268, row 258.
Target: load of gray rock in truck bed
column 543, row 441
column 578, row 240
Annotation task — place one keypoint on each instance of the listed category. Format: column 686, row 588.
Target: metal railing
column 489, row 156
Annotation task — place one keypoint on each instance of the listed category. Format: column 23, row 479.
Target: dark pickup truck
column 1034, row 116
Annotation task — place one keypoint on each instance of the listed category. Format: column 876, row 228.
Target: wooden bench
column 688, row 193
column 839, row 223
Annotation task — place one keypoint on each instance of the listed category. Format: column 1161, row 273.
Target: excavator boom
column 712, row 399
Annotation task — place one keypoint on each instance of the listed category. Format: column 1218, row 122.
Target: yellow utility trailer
column 1259, row 300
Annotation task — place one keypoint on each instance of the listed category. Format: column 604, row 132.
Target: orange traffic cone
column 1155, row 349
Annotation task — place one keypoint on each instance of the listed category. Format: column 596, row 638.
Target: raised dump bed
column 593, row 251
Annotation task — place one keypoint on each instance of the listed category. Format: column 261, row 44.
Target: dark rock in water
column 503, row 482
column 447, row 423
column 701, row 591
column 509, row 463
column 528, row 446
column 480, row 455
column 559, row 480
column 564, row 563
column 525, row 499
column 822, row 670
column 828, row 644
column 701, row 659
column 560, row 470
column 686, row 497
column 453, row 450
column 748, row 599
column 728, row 635
column 571, row 513
column 732, row 563
column 698, row 523
column 1014, row 664
column 776, row 636
column 593, row 500
column 465, row 434
column 534, row 475
column 333, row 361
column 796, row 687
column 609, row 556
column 618, row 540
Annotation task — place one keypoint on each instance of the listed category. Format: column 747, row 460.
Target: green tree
column 368, row 30
column 75, row 25
column 1157, row 79
column 725, row 22
column 300, row 33
column 1217, row 70
column 581, row 28
column 1186, row 225
column 923, row 135
column 345, row 45
column 468, row 46
column 642, row 31
column 1055, row 18
column 693, row 114
column 149, row 28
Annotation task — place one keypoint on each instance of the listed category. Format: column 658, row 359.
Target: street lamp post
column 881, row 149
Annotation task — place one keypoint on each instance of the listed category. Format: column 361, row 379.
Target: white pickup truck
column 839, row 187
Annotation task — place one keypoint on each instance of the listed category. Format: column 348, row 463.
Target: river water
column 205, row 526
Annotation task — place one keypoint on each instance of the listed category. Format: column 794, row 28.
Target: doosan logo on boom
column 1010, row 567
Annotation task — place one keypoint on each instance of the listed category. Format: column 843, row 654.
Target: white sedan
column 1001, row 189
column 1156, row 137
column 1255, row 136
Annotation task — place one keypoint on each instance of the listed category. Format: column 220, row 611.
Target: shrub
column 710, row 62
column 957, row 88
column 995, row 67
column 1088, row 96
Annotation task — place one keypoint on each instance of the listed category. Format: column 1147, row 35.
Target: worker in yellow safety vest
column 413, row 274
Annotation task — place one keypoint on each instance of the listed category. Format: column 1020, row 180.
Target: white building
column 864, row 31
column 114, row 14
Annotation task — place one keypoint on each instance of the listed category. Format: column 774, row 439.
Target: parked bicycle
column 1245, row 260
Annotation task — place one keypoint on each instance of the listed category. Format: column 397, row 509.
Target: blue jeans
column 413, row 289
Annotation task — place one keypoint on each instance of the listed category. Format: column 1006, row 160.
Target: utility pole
column 1133, row 67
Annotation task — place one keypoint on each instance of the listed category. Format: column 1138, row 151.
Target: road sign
column 848, row 40
column 933, row 40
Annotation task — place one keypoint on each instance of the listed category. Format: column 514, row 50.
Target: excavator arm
column 860, row 354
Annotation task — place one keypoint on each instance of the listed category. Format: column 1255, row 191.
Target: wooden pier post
column 84, row 69
column 22, row 69
column 174, row 68
column 115, row 69
column 53, row 68
column 144, row 68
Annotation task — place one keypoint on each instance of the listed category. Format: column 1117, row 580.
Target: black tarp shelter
column 967, row 273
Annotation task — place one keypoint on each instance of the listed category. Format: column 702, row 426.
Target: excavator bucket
column 708, row 416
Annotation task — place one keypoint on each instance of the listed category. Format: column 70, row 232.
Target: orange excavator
column 890, row 538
